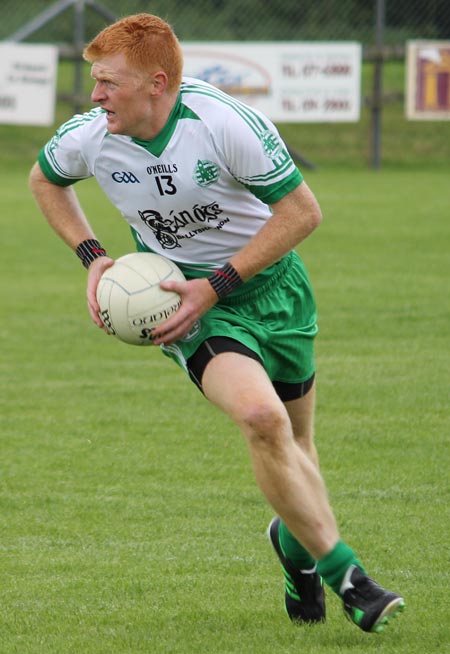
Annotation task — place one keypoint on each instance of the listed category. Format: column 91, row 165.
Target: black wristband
column 89, row 250
column 225, row 280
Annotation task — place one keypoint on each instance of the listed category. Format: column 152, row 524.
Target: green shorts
column 274, row 315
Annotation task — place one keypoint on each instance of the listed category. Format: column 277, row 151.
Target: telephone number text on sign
column 291, row 82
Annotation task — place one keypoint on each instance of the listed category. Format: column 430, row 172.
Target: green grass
column 130, row 520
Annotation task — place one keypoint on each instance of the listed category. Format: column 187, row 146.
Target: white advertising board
column 289, row 82
column 27, row 83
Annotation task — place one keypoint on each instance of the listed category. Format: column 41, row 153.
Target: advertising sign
column 428, row 80
column 27, row 83
column 289, row 82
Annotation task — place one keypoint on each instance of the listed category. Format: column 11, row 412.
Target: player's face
column 125, row 94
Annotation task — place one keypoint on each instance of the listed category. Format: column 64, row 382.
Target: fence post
column 78, row 41
column 377, row 92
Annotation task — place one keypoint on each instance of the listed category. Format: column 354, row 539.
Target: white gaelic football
column 131, row 301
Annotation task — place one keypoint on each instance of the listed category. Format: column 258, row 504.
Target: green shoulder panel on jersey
column 271, row 186
column 76, row 121
column 50, row 173
column 253, row 120
column 46, row 158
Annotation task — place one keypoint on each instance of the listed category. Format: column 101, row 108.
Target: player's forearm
column 61, row 208
column 293, row 220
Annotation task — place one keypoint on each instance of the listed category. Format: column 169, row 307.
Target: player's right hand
column 96, row 270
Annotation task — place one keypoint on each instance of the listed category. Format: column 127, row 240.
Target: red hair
column 148, row 43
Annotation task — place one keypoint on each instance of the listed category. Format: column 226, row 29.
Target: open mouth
column 108, row 112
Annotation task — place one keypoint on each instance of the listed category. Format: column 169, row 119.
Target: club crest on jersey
column 206, row 173
column 271, row 143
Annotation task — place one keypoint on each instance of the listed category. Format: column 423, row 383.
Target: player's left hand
column 197, row 296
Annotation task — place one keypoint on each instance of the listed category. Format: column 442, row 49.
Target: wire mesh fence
column 222, row 20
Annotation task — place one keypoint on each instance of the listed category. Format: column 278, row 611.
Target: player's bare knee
column 264, row 424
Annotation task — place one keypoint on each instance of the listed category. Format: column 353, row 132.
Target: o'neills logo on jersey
column 271, row 143
column 206, row 173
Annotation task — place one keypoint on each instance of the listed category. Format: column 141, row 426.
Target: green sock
column 292, row 549
column 333, row 566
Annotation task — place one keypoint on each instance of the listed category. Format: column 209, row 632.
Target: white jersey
column 198, row 191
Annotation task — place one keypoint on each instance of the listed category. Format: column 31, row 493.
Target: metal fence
column 273, row 20
column 382, row 27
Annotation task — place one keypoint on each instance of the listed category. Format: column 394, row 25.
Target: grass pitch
column 130, row 520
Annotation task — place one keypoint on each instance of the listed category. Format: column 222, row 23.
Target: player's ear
column 159, row 82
